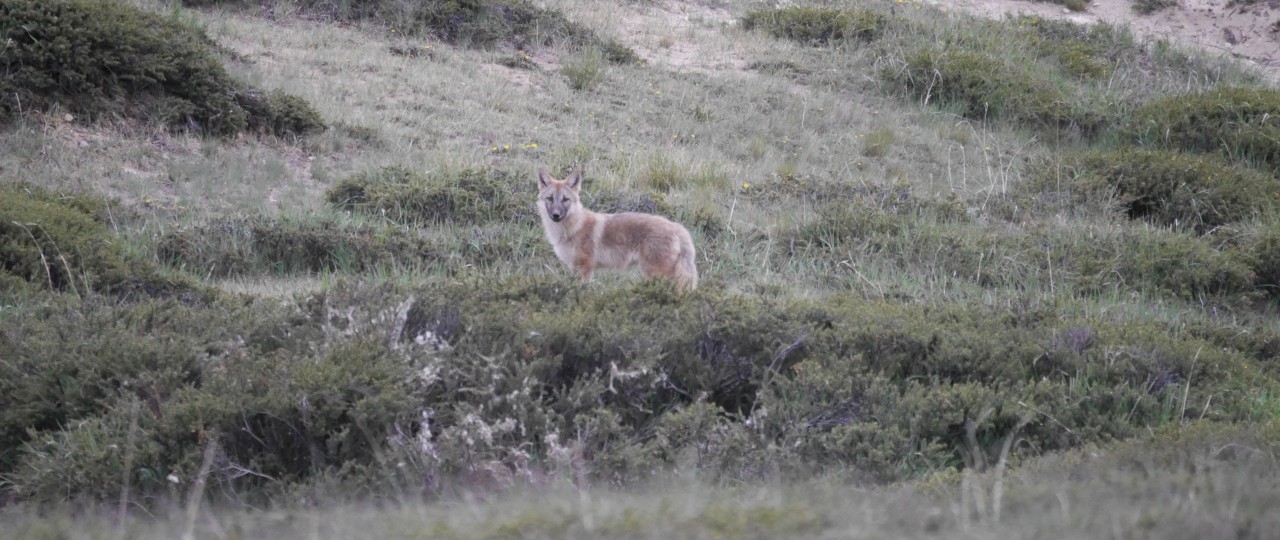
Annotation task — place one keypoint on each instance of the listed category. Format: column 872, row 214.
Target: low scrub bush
column 55, row 244
column 473, row 23
column 279, row 113
column 983, row 86
column 663, row 174
column 1168, row 188
column 70, row 361
column 585, row 71
column 518, row 22
column 1242, row 123
column 1147, row 7
column 99, row 58
column 1264, row 259
column 1073, row 5
column 877, row 212
column 454, row 196
column 258, row 245
column 938, row 238
column 816, row 25
column 490, row 380
column 304, row 414
column 60, row 242
column 618, row 201
column 821, row 189
column 1083, row 51
column 1165, row 261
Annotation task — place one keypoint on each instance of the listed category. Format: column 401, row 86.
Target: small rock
column 68, row 118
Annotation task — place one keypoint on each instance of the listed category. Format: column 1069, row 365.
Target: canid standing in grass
column 587, row 240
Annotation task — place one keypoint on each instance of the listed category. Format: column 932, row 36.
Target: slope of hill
column 947, row 263
column 1242, row 28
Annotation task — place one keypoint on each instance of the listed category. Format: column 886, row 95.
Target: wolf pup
column 587, row 240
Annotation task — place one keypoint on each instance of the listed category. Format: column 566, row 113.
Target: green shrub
column 89, row 460
column 487, row 379
column 242, row 246
column 615, row 202
column 1147, row 7
column 779, row 67
column 878, row 141
column 70, row 361
column 817, row 26
column 303, row 415
column 876, row 212
column 1182, row 265
column 662, row 174
column 474, row 23
column 1073, row 5
column 984, row 87
column 585, row 71
column 57, row 242
column 457, row 196
column 1168, row 188
column 99, row 58
column 279, row 113
column 238, row 376
column 1053, row 46
column 1243, row 123
column 1264, row 259
column 789, row 184
column 938, row 237
column 1083, row 61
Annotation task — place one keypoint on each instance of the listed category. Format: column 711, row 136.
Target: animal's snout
column 556, row 217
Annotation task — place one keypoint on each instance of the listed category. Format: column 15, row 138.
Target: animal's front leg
column 584, row 261
column 584, row 264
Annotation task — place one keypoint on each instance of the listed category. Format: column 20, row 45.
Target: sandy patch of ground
column 517, row 77
column 1247, row 32
column 686, row 36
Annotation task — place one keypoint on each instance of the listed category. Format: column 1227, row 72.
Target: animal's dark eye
column 566, row 199
column 551, row 199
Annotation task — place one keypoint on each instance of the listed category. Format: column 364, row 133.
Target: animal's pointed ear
column 544, row 178
column 575, row 179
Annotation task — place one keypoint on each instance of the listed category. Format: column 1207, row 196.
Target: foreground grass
column 1198, row 481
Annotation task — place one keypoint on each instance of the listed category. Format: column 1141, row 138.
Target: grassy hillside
column 947, row 263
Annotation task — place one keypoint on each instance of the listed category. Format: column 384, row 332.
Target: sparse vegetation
column 817, row 26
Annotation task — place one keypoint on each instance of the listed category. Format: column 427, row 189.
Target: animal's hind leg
column 659, row 262
column 652, row 268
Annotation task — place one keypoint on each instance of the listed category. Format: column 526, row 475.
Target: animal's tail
column 686, row 272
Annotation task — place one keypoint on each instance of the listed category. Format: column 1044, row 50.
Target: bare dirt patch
column 1247, row 32
column 684, row 36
